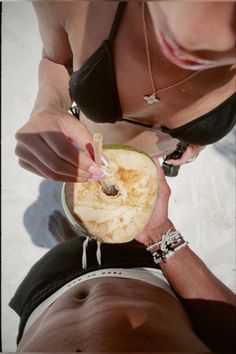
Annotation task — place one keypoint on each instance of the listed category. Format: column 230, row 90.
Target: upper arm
column 56, row 46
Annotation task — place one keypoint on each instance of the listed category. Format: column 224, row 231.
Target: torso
column 88, row 24
column 139, row 307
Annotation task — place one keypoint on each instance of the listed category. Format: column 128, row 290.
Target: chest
column 181, row 100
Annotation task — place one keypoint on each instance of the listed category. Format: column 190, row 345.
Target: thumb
column 161, row 175
column 164, row 193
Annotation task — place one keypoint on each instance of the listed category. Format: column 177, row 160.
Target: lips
column 181, row 57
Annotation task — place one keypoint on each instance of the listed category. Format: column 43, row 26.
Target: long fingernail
column 95, row 178
column 95, row 170
column 105, row 160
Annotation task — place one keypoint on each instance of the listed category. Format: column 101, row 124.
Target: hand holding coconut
column 159, row 222
column 53, row 144
column 134, row 211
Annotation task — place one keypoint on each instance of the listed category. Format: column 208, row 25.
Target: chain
column 149, row 60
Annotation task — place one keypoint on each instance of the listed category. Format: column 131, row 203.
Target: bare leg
column 60, row 227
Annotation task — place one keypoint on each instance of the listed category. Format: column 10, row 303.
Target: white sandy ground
column 202, row 204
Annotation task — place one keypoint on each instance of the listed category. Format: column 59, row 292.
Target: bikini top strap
column 117, row 19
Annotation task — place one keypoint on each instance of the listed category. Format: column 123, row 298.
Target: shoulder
column 52, row 19
column 63, row 22
column 61, row 13
column 54, row 12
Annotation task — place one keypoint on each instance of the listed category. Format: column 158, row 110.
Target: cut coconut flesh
column 118, row 217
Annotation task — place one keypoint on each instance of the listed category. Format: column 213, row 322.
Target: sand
column 202, row 204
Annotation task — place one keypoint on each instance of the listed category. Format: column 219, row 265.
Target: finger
column 29, row 168
column 144, row 238
column 90, row 150
column 42, row 171
column 43, row 153
column 165, row 191
column 32, row 164
column 161, row 175
column 164, row 187
column 175, row 162
column 76, row 131
column 188, row 154
column 63, row 148
column 67, row 152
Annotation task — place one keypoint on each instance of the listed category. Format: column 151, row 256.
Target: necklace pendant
column 150, row 99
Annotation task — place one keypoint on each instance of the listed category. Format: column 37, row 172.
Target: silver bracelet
column 170, row 242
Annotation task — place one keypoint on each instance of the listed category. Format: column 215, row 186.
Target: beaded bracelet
column 170, row 242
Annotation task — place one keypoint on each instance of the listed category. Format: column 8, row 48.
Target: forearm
column 191, row 279
column 208, row 302
column 53, row 90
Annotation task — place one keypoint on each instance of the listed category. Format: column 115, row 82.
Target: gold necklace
column 152, row 98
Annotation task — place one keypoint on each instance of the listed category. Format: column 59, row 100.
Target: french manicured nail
column 95, row 178
column 99, row 172
column 105, row 160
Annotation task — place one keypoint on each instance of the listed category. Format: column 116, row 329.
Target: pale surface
column 202, row 204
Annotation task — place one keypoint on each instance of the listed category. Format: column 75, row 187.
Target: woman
column 136, row 299
column 167, row 67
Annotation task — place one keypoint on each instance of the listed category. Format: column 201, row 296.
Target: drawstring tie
column 98, row 253
column 84, row 254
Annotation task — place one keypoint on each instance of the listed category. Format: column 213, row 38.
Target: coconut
column 119, row 216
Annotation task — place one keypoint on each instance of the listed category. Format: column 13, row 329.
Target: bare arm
column 48, row 143
column 208, row 302
column 191, row 279
column 57, row 56
column 53, row 87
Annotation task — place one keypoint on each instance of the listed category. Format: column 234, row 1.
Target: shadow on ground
column 37, row 215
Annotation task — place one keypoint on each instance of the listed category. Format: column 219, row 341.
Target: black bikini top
column 93, row 88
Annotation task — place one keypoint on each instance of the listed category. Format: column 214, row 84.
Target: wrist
column 177, row 259
column 170, row 242
column 49, row 98
column 162, row 229
column 48, row 109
